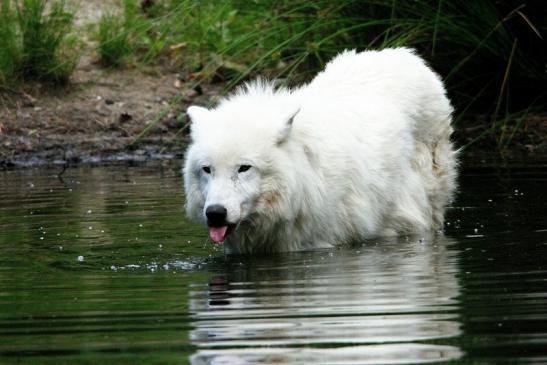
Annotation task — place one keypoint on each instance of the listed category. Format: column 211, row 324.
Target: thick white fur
column 367, row 154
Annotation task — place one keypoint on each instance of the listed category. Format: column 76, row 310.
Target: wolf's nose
column 216, row 215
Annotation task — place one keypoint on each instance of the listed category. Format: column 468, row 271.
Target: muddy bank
column 99, row 117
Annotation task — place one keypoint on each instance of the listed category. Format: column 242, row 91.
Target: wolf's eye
column 244, row 168
column 206, row 169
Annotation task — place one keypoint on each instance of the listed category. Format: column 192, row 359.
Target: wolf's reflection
column 372, row 303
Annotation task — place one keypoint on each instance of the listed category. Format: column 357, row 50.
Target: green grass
column 36, row 42
column 10, row 49
column 114, row 43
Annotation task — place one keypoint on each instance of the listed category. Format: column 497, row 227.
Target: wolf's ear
column 197, row 113
column 287, row 127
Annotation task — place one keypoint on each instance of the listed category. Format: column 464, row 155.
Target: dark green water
column 100, row 267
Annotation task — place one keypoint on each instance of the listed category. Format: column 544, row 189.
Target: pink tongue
column 217, row 233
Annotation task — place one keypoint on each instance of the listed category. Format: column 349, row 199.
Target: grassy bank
column 492, row 56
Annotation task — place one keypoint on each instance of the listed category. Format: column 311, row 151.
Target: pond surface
column 99, row 266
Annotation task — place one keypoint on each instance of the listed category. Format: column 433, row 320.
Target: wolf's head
column 232, row 167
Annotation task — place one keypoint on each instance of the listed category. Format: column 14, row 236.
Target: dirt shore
column 98, row 117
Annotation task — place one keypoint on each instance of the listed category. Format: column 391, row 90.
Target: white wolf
column 363, row 150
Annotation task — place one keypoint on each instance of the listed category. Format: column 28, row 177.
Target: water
column 99, row 266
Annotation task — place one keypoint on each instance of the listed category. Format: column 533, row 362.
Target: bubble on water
column 70, row 189
column 89, row 211
column 81, row 258
column 58, row 234
column 114, row 268
column 126, row 202
column 189, row 241
column 90, row 227
column 160, row 245
column 476, row 230
column 166, row 267
column 140, row 225
column 490, row 200
column 102, row 230
column 41, row 238
column 60, row 248
column 30, row 185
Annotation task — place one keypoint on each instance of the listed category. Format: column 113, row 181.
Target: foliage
column 36, row 42
column 9, row 46
column 114, row 43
